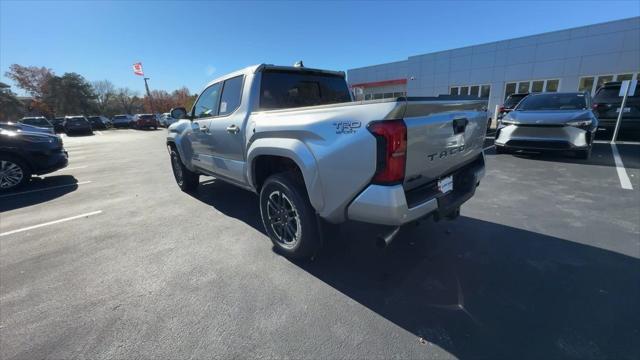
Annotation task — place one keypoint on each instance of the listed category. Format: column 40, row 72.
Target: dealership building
column 577, row 59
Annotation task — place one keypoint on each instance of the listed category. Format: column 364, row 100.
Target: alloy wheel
column 283, row 219
column 11, row 174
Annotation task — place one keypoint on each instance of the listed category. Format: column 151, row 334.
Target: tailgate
column 442, row 135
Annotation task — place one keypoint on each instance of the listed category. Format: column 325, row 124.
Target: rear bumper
column 391, row 205
column 544, row 137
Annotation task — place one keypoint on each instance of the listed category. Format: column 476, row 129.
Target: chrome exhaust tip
column 383, row 240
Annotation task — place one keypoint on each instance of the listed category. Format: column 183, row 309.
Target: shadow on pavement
column 601, row 155
column 478, row 289
column 62, row 185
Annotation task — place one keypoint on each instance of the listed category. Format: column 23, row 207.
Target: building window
column 398, row 94
column 523, row 87
column 471, row 90
column 586, row 84
column 537, row 86
column 510, row 89
column 552, row 85
column 592, row 83
column 367, row 96
column 485, row 90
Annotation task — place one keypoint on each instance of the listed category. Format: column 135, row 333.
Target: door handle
column 233, row 129
column 204, row 129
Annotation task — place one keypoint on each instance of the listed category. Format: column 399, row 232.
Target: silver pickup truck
column 295, row 136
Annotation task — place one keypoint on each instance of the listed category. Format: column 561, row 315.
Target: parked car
column 57, row 123
column 166, row 120
column 122, row 121
column 99, row 122
column 24, row 153
column 77, row 125
column 28, row 128
column 510, row 103
column 145, row 121
column 549, row 121
column 294, row 136
column 606, row 106
column 39, row 121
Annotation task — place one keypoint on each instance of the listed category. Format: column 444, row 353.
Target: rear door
column 226, row 137
column 442, row 136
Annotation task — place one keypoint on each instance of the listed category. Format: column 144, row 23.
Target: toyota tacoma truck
column 316, row 157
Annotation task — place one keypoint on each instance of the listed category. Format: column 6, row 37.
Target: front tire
column 288, row 217
column 584, row 154
column 13, row 173
column 186, row 179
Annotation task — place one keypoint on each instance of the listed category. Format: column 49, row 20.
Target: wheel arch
column 269, row 156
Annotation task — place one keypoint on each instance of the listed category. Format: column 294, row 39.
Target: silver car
column 549, row 121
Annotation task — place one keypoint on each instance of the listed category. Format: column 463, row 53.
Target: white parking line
column 622, row 173
column 617, row 142
column 98, row 132
column 43, row 189
column 488, row 147
column 75, row 168
column 51, row 223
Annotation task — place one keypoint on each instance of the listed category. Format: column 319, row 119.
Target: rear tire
column 14, row 173
column 288, row 217
column 186, row 179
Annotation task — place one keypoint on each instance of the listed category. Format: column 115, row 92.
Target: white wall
column 607, row 48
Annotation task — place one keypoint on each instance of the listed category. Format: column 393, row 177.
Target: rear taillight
column 501, row 109
column 595, row 106
column 391, row 138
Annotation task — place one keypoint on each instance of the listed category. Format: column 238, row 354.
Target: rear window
column 610, row 94
column 76, row 121
column 291, row 89
column 36, row 122
column 553, row 101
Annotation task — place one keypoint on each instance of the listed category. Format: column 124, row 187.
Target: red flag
column 137, row 69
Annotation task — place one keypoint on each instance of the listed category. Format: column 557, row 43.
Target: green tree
column 70, row 94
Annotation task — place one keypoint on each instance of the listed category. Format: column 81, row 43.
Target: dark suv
column 606, row 106
column 77, row 125
column 23, row 154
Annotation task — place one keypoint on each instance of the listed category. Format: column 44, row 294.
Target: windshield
column 553, row 101
column 289, row 89
column 36, row 122
column 120, row 117
column 513, row 100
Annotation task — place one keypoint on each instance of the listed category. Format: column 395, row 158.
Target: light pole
column 146, row 85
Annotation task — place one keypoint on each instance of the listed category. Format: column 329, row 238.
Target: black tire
column 584, row 154
column 10, row 168
column 186, row 179
column 501, row 150
column 288, row 217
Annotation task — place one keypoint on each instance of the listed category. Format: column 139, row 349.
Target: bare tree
column 126, row 97
column 105, row 92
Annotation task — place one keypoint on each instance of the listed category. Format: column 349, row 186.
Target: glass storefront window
column 474, row 90
column 537, row 86
column 464, row 90
column 586, row 84
column 485, row 90
column 623, row 77
column 453, row 91
column 552, row 85
column 509, row 89
column 523, row 87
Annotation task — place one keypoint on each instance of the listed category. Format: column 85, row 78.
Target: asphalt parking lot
column 543, row 263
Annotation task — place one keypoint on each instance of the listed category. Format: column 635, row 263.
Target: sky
column 183, row 43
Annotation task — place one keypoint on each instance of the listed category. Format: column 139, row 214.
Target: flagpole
column 146, row 86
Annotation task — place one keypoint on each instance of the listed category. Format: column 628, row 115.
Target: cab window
column 207, row 104
column 231, row 95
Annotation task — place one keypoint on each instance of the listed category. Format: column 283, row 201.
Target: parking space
column 108, row 259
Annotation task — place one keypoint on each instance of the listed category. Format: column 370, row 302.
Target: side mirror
column 179, row 113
